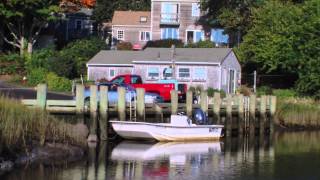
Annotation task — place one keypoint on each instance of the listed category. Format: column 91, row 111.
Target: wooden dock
column 243, row 115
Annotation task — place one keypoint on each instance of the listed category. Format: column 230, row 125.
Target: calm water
column 285, row 156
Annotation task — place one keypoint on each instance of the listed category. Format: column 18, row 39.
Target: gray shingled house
column 208, row 67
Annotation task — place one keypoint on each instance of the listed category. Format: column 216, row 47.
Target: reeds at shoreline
column 20, row 126
column 298, row 113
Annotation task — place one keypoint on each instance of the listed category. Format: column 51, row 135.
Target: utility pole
column 173, row 61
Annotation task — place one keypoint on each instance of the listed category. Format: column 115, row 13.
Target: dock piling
column 42, row 96
column 174, row 102
column 122, row 103
column 252, row 116
column 216, row 107
column 140, row 104
column 189, row 102
column 103, row 110
column 93, row 114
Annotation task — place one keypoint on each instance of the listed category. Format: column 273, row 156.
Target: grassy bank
column 294, row 112
column 20, row 127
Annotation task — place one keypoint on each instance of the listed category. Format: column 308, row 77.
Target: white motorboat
column 180, row 128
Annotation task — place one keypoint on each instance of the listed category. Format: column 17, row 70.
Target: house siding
column 97, row 73
column 230, row 62
column 131, row 34
column 186, row 21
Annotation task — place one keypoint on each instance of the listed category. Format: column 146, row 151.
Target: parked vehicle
column 163, row 89
column 113, row 94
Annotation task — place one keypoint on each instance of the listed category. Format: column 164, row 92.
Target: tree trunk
column 21, row 46
column 30, row 48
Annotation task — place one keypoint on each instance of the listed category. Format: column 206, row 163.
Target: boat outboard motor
column 200, row 117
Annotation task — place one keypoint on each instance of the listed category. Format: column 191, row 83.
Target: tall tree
column 285, row 37
column 104, row 9
column 25, row 19
column 233, row 15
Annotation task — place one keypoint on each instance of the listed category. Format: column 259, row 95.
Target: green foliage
column 264, row 90
column 201, row 44
column 284, row 93
column 77, row 54
column 40, row 59
column 25, row 19
column 165, row 43
column 104, row 9
column 57, row 83
column 11, row 64
column 36, row 76
column 124, row 46
column 211, row 92
column 285, row 37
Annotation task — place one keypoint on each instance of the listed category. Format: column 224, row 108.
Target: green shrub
column 124, row 46
column 165, row 43
column 264, row 90
column 284, row 93
column 40, row 59
column 36, row 76
column 211, row 92
column 76, row 54
column 57, row 83
column 201, row 44
column 11, row 64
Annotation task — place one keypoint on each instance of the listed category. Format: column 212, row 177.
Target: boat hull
column 166, row 132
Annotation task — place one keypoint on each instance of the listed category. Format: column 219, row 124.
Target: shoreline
column 50, row 152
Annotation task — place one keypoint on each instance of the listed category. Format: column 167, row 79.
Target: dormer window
column 143, row 19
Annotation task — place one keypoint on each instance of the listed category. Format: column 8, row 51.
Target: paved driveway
column 28, row 93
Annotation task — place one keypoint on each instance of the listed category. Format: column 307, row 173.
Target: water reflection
column 283, row 156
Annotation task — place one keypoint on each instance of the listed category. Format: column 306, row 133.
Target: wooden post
column 252, row 112
column 93, row 114
column 189, row 102
column 140, row 104
column 79, row 98
column 80, row 103
column 262, row 119
column 204, row 101
column 174, row 102
column 216, row 107
column 159, row 113
column 42, row 96
column 241, row 122
column 103, row 110
column 122, row 103
column 273, row 106
column 228, row 122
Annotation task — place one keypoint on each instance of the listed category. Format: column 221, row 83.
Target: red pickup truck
column 163, row 89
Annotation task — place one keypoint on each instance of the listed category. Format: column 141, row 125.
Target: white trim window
column 195, row 12
column 145, row 36
column 112, row 73
column 78, row 24
column 199, row 73
column 194, row 36
column 169, row 33
column 120, row 35
column 184, row 73
column 153, row 73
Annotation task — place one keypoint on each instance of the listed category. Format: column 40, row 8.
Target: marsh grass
column 20, row 126
column 298, row 112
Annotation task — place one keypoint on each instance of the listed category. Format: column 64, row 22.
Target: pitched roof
column 151, row 55
column 131, row 18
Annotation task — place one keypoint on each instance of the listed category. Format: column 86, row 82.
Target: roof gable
column 138, row 18
column 210, row 56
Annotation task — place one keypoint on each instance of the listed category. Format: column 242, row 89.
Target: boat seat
column 178, row 120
